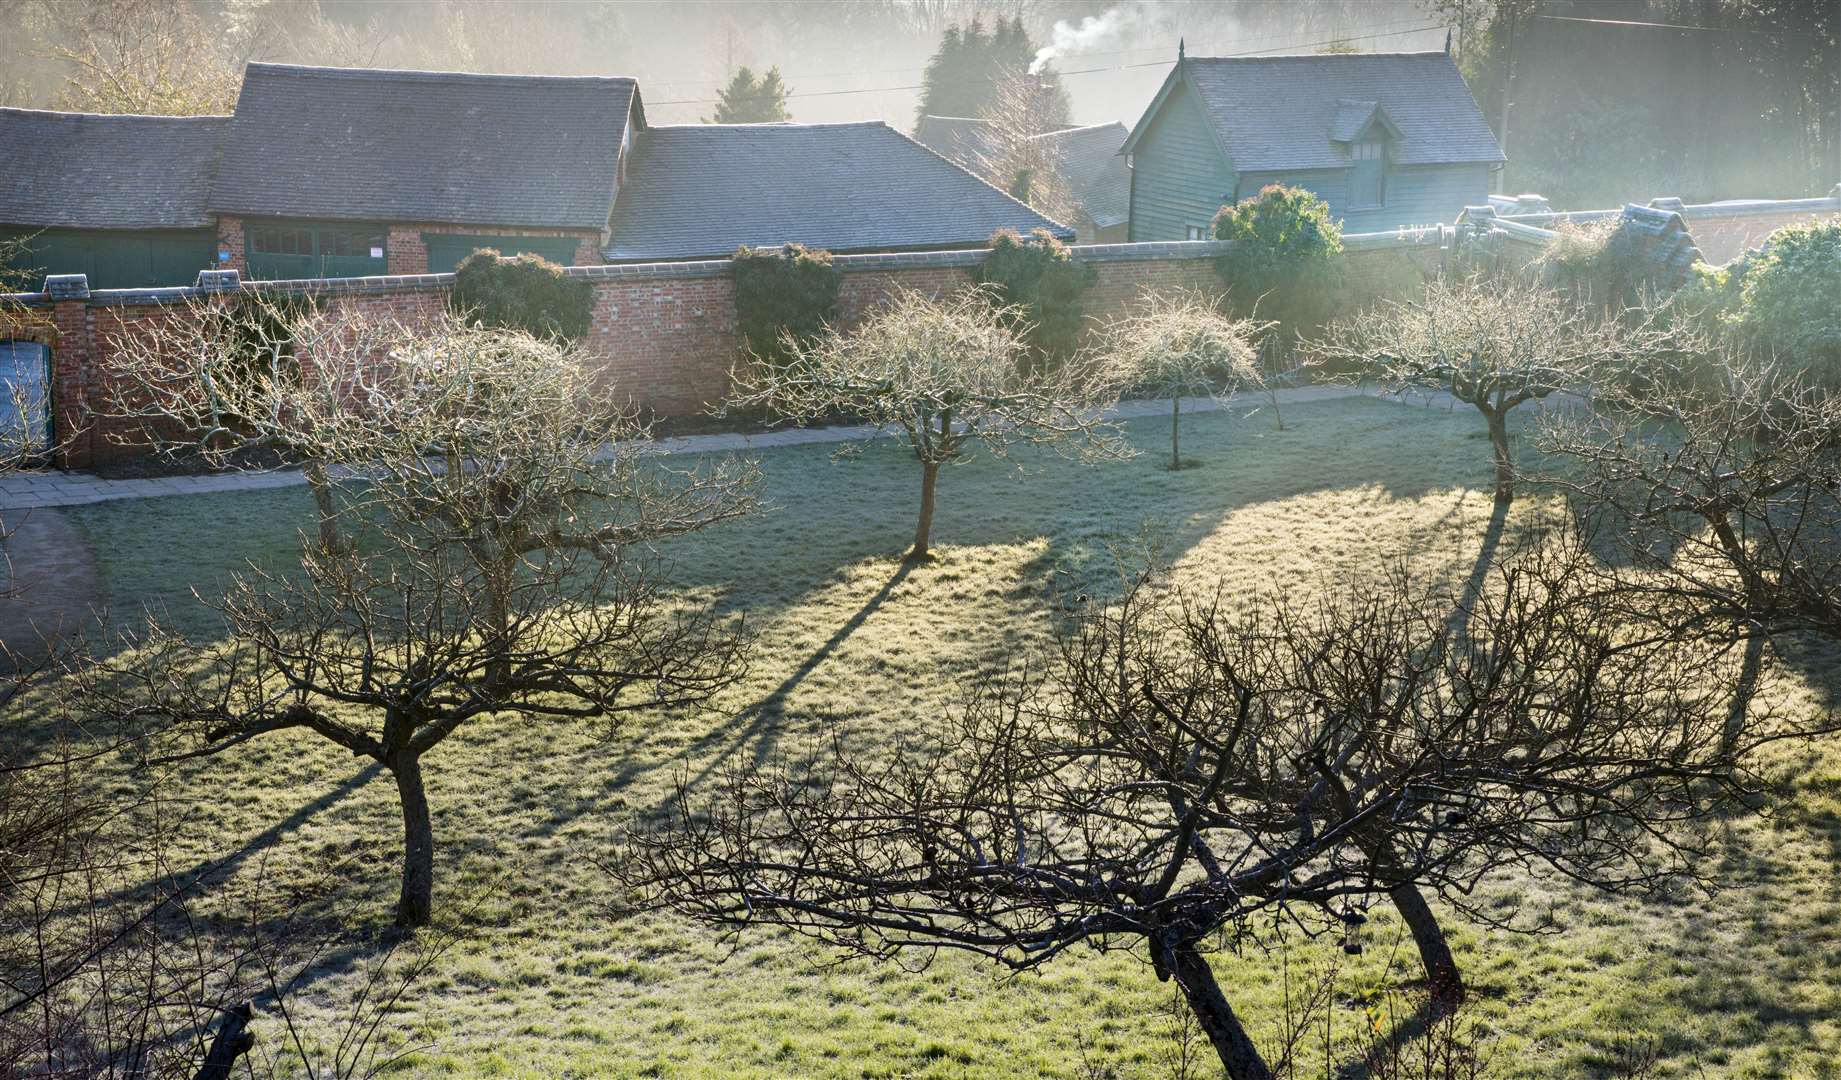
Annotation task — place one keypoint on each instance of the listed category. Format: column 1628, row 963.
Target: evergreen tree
column 751, row 100
column 965, row 75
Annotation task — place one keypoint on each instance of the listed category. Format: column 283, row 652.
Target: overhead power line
column 1662, row 25
column 1088, row 71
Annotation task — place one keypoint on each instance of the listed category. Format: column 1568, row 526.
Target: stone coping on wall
column 1730, row 208
column 211, row 282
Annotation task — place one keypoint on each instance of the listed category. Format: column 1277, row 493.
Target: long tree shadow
column 762, row 721
column 205, row 871
column 1459, row 622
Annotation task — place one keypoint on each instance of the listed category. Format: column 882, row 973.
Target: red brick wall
column 666, row 337
column 1722, row 239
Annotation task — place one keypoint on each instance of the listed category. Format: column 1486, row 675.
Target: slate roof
column 702, row 190
column 379, row 145
column 1090, row 162
column 86, row 171
column 961, row 139
column 1279, row 113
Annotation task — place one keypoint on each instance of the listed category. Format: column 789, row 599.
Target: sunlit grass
column 549, row 984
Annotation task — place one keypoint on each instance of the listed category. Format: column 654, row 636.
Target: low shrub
column 783, row 293
column 526, row 292
column 1041, row 279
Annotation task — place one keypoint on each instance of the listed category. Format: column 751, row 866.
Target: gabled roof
column 87, row 171
column 1088, row 159
column 1278, row 113
column 702, row 190
column 361, row 144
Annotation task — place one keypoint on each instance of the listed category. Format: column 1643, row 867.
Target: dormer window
column 1368, row 173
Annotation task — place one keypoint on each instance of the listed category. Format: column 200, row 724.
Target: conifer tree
column 751, row 100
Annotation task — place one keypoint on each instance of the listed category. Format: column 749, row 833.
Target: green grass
column 1745, row 984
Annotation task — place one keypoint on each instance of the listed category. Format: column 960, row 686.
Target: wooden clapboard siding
column 1179, row 175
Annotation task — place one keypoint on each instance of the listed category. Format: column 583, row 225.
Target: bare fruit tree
column 1723, row 474
column 1179, row 777
column 251, row 382
column 949, row 374
column 1181, row 345
column 1493, row 344
column 503, row 513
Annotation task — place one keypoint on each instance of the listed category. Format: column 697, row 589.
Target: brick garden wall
column 663, row 333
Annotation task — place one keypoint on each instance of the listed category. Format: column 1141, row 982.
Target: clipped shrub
column 526, row 292
column 1789, row 298
column 781, row 293
column 1286, row 262
column 1039, row 277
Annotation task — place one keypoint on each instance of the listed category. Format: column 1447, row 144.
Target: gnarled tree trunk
column 1443, row 981
column 1505, row 463
column 416, row 902
column 930, row 474
column 1238, row 1055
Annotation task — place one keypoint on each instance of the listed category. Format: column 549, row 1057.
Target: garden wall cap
column 67, row 286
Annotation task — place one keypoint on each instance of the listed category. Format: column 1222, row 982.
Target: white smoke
column 1093, row 33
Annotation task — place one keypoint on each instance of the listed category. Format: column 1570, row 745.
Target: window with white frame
column 1195, row 232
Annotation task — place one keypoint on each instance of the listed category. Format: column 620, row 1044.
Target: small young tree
column 948, row 374
column 1175, row 770
column 1181, row 346
column 751, row 100
column 1493, row 345
column 502, row 518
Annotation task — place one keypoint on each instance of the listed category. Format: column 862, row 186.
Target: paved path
column 39, row 489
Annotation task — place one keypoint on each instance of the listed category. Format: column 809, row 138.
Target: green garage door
column 283, row 252
column 127, row 259
column 446, row 250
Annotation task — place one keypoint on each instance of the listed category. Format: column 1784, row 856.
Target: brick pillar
column 72, row 351
column 230, row 238
column 405, row 252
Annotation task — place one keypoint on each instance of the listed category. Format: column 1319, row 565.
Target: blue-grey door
column 25, row 397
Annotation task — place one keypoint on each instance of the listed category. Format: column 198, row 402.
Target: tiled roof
column 961, row 139
column 1276, row 113
column 379, row 145
column 702, row 190
column 87, row 171
column 1089, row 160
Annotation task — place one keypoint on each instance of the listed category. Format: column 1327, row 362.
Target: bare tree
column 159, row 57
column 1492, row 344
column 1722, row 473
column 254, row 382
column 1013, row 155
column 1177, row 770
column 949, row 374
column 1181, row 345
column 504, row 514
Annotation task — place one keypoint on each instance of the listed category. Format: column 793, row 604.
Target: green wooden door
column 446, row 250
column 284, row 252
